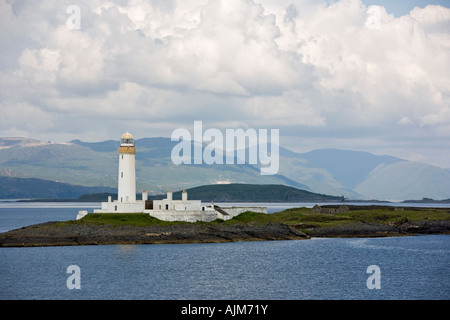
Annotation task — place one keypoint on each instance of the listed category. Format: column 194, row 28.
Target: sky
column 350, row 74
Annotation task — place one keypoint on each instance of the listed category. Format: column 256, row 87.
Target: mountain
column 348, row 167
column 332, row 171
column 354, row 174
column 69, row 163
column 365, row 175
column 24, row 142
column 32, row 188
column 406, row 180
column 95, row 164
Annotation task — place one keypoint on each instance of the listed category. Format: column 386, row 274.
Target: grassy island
column 296, row 223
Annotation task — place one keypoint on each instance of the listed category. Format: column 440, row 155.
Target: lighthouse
column 126, row 187
column 167, row 209
column 127, row 169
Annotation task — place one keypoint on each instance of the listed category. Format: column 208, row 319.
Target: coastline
column 71, row 234
column 49, row 234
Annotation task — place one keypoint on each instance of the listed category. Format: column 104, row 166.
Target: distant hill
column 427, row 200
column 32, row 188
column 227, row 193
column 362, row 175
column 406, row 180
column 252, row 193
column 24, row 142
column 348, row 167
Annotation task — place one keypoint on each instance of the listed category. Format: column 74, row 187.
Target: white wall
column 177, row 205
column 186, row 215
column 127, row 178
column 235, row 211
column 196, row 215
column 118, row 207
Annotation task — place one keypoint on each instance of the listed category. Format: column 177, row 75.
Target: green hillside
column 32, row 188
column 253, row 193
column 234, row 192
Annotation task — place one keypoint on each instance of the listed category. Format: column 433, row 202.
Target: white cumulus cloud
column 307, row 67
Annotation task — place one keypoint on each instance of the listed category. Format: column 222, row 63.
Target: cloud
column 303, row 66
column 19, row 118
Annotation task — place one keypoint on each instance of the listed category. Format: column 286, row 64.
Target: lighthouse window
column 122, row 157
column 121, row 174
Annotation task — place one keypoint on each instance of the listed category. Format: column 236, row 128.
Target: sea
column 395, row 268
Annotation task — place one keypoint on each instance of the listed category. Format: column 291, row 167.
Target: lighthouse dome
column 127, row 141
column 127, row 136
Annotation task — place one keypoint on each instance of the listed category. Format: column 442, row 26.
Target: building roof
column 127, row 135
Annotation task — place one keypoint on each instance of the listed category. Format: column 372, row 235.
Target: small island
column 290, row 224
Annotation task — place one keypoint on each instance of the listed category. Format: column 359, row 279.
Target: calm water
column 411, row 267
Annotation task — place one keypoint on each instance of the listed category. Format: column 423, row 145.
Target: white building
column 169, row 209
column 183, row 204
column 166, row 209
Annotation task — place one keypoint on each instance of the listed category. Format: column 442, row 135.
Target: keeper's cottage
column 167, row 209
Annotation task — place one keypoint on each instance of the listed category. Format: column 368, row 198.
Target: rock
column 364, row 229
column 50, row 235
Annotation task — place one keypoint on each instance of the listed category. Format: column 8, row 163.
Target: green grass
column 305, row 216
column 293, row 216
column 135, row 219
column 117, row 219
column 372, row 215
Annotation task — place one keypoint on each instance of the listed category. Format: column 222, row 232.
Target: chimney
column 169, row 195
column 184, row 195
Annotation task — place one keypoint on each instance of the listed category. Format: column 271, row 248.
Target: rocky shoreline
column 361, row 229
column 49, row 234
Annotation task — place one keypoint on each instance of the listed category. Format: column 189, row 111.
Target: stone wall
column 205, row 216
column 184, row 215
column 330, row 209
column 234, row 211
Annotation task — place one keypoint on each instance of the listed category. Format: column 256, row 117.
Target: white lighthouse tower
column 126, row 191
column 127, row 169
